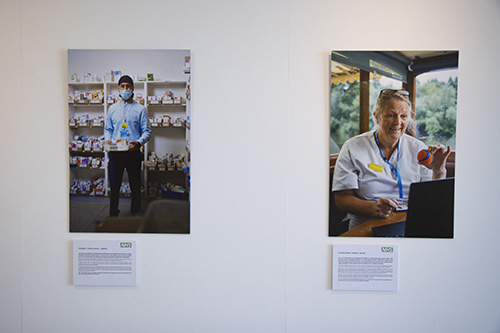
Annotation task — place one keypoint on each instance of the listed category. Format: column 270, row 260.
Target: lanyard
column 125, row 114
column 124, row 132
column 394, row 170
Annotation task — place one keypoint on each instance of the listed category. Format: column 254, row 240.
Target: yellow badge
column 375, row 167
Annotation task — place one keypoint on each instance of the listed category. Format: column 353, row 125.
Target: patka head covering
column 127, row 79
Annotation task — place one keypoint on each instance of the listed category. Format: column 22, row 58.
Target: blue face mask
column 125, row 94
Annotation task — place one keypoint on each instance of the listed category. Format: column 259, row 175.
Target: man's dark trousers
column 118, row 162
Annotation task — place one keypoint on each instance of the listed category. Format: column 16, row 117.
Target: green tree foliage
column 344, row 111
column 436, row 111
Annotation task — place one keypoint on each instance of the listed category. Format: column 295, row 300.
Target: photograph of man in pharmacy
column 129, row 140
column 392, row 143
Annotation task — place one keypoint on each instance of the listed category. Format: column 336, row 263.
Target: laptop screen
column 430, row 209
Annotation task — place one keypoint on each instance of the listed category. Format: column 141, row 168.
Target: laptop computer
column 430, row 212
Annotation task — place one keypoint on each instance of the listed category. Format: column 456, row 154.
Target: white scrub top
column 361, row 167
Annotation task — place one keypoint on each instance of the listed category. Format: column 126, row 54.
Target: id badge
column 124, row 130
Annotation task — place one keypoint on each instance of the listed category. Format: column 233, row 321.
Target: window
column 344, row 108
column 435, row 104
column 436, row 107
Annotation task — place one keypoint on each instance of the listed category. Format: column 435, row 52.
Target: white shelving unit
column 171, row 135
column 172, row 139
column 86, row 119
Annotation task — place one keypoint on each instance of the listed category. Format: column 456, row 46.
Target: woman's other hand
column 384, row 207
column 349, row 202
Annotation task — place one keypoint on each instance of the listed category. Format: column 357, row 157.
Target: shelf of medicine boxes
column 87, row 165
column 86, row 111
column 85, row 98
column 167, row 115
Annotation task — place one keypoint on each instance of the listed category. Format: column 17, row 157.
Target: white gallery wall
column 258, row 256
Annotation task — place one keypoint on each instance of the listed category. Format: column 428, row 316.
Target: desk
column 365, row 229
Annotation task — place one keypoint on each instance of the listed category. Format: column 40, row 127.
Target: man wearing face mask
column 127, row 120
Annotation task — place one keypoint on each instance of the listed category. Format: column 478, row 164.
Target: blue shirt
column 136, row 118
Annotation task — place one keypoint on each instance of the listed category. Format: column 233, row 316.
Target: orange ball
column 425, row 157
